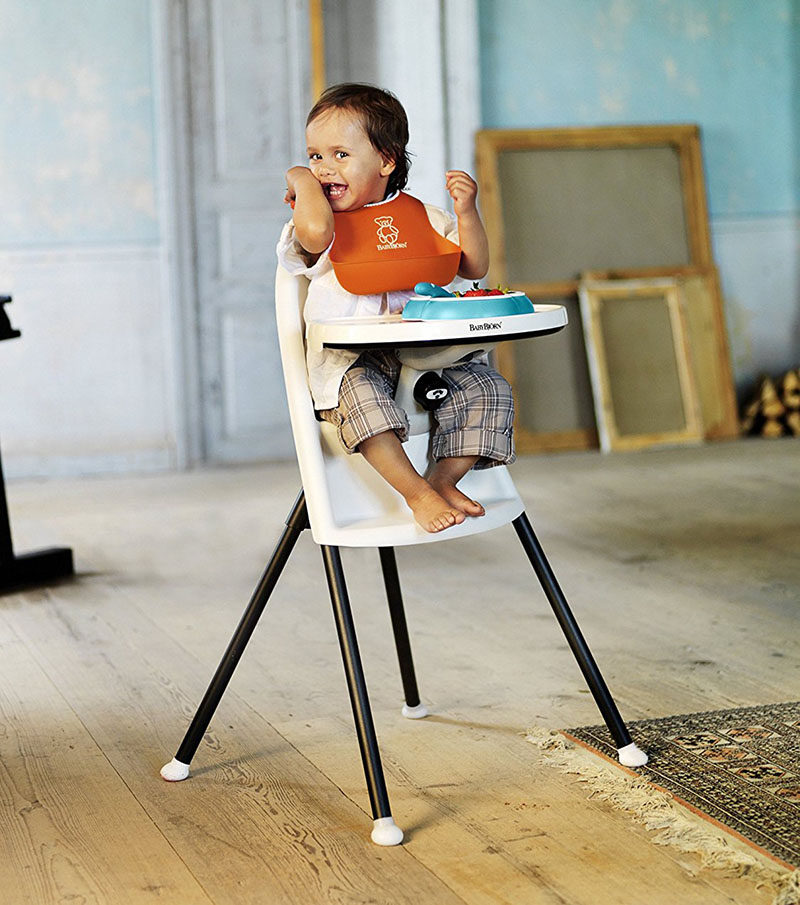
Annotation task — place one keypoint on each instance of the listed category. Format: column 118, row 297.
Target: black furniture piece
column 25, row 569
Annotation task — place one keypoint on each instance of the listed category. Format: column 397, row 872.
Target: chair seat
column 359, row 509
column 349, row 503
column 388, row 532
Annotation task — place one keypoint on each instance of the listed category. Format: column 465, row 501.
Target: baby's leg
column 475, row 427
column 444, row 476
column 369, row 421
column 386, row 455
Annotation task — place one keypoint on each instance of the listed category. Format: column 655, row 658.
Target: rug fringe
column 789, row 893
column 658, row 812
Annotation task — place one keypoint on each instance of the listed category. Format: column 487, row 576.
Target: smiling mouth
column 334, row 190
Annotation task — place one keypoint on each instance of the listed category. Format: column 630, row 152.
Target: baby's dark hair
column 384, row 118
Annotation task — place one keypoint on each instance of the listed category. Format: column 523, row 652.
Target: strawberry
column 477, row 291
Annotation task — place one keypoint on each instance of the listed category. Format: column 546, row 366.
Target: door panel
column 248, row 78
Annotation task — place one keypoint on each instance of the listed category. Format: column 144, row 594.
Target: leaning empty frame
column 559, row 202
column 625, row 200
column 638, row 350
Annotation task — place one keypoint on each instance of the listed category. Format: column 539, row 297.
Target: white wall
column 759, row 264
column 89, row 386
column 427, row 54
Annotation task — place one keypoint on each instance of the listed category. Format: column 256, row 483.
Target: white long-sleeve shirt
column 327, row 298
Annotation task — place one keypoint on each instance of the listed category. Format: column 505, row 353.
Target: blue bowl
column 449, row 309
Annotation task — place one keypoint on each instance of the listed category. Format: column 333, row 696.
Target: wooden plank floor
column 681, row 566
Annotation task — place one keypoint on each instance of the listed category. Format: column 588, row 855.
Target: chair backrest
column 350, row 504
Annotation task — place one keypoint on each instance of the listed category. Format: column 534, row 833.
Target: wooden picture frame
column 625, row 200
column 316, row 28
column 560, row 202
column 552, row 390
column 640, row 363
column 708, row 341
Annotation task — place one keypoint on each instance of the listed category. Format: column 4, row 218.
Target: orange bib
column 390, row 246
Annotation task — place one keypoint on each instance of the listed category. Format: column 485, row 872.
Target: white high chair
column 346, row 503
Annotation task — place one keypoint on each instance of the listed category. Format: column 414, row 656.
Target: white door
column 249, row 92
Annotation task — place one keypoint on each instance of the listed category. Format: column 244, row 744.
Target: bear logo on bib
column 387, row 232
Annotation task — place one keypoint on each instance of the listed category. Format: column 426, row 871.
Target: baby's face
column 352, row 173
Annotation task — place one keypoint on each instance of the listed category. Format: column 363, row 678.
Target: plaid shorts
column 476, row 418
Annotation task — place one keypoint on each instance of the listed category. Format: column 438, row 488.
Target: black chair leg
column 629, row 753
column 296, row 523
column 412, row 709
column 385, row 831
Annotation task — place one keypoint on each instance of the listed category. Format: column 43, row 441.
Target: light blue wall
column 725, row 64
column 77, row 162
column 733, row 67
column 90, row 386
column 795, row 42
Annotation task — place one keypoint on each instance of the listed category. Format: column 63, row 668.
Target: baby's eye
column 315, row 156
column 340, row 155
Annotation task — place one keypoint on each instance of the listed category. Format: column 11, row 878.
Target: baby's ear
column 388, row 167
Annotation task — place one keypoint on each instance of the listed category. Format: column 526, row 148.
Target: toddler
column 357, row 159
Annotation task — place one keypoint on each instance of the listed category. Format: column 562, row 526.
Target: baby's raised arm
column 313, row 217
column 471, row 234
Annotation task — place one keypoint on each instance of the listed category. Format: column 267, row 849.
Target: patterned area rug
column 741, row 768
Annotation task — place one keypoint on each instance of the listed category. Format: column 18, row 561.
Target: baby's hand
column 463, row 190
column 293, row 176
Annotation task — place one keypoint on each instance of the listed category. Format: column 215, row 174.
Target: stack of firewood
column 775, row 408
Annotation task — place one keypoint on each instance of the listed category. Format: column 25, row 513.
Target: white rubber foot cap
column 631, row 756
column 175, row 771
column 415, row 713
column 386, row 832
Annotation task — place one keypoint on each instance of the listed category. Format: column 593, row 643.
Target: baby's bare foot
column 432, row 512
column 455, row 498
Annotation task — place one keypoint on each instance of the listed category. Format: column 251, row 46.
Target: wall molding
column 755, row 223
column 62, row 253
column 170, row 35
column 25, row 467
column 461, row 81
column 87, row 387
